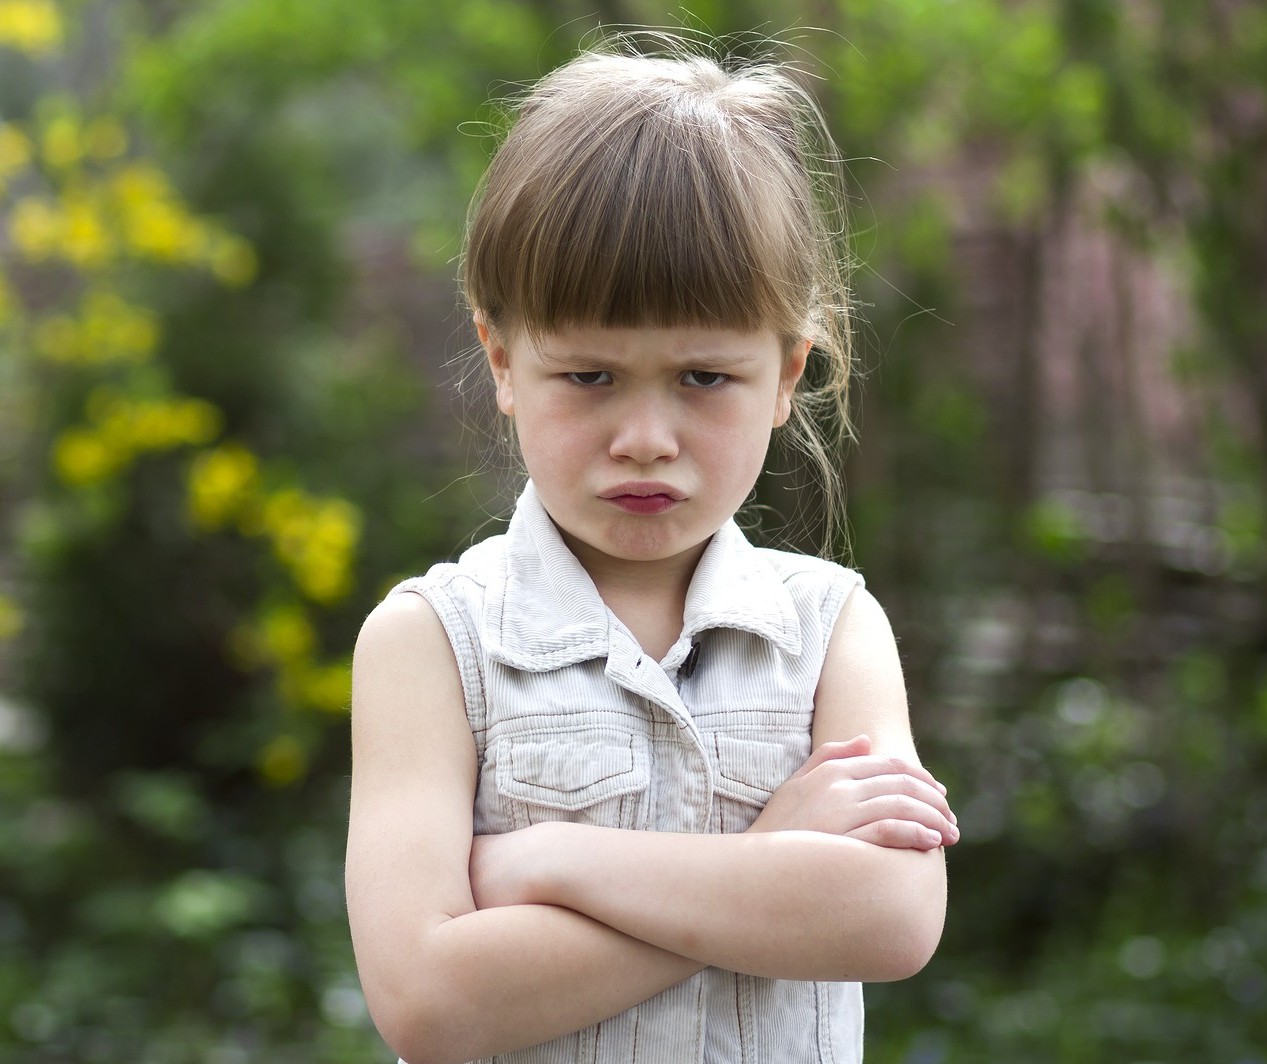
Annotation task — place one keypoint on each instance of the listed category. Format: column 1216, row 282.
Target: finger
column 890, row 807
column 863, row 767
column 858, row 746
column 898, row 835
column 903, row 783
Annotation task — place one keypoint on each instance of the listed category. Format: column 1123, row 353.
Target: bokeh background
column 228, row 345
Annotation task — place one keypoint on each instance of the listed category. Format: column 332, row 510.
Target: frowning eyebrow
column 708, row 361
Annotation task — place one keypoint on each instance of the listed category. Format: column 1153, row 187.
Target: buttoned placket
column 630, row 668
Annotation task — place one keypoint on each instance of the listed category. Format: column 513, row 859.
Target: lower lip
column 644, row 504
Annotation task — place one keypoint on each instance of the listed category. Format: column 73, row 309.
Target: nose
column 644, row 431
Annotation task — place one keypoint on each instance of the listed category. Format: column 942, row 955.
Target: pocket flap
column 750, row 770
column 564, row 773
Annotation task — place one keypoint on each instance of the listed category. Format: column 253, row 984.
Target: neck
column 648, row 597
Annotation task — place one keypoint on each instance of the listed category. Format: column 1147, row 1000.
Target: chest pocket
column 586, row 779
column 749, row 771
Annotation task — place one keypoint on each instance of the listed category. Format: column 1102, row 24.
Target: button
column 687, row 669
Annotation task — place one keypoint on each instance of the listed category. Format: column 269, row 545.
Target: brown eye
column 703, row 378
column 597, row 376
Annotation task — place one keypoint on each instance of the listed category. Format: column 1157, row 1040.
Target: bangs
column 665, row 218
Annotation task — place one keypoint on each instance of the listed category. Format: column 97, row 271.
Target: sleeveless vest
column 572, row 721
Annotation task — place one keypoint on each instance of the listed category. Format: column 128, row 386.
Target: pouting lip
column 643, row 489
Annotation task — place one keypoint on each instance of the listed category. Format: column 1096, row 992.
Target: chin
column 651, row 547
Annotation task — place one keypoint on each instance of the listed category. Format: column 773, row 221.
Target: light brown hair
column 673, row 189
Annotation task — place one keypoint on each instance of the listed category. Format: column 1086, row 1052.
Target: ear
column 498, row 363
column 789, row 377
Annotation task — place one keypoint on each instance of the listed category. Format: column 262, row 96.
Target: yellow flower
column 315, row 539
column 110, row 330
column 150, row 426
column 85, row 241
column 36, row 227
column 128, row 427
column 286, row 634
column 161, row 424
column 73, row 231
column 82, row 457
column 32, row 26
column 221, row 483
column 137, row 184
column 284, row 518
column 196, row 421
column 153, row 221
column 282, row 760
column 156, row 229
column 233, row 261
column 156, row 224
column 62, row 145
column 117, row 331
column 322, row 577
column 15, row 150
column 282, row 637
column 337, row 524
column 308, row 685
column 327, row 687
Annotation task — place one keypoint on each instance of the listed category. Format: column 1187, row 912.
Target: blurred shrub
column 189, row 497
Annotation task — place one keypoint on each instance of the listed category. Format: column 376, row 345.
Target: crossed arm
column 468, row 947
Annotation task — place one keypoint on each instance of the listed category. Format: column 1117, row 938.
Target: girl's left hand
column 842, row 789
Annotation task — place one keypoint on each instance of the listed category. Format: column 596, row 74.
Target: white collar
column 542, row 610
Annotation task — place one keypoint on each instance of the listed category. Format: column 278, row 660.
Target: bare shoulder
column 406, row 688
column 862, row 625
column 409, row 725
column 861, row 689
column 401, row 620
column 402, row 649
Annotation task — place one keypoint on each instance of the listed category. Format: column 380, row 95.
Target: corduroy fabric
column 572, row 721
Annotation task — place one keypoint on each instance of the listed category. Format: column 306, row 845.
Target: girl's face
column 642, row 442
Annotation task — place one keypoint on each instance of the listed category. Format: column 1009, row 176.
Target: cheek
column 550, row 439
column 738, row 448
column 750, row 424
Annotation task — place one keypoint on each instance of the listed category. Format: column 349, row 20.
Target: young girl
column 626, row 787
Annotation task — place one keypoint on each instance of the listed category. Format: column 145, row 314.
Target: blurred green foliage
column 225, row 230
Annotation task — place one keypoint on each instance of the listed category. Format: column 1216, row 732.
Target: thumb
column 858, row 746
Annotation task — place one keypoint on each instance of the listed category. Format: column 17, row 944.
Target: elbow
column 910, row 920
column 403, row 1030
column 418, row 1000
column 418, row 1029
column 906, row 949
column 895, row 923
column 419, row 1044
